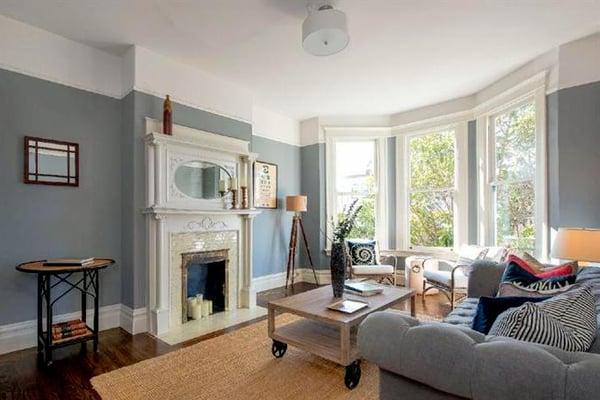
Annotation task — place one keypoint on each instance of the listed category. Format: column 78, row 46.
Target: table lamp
column 297, row 204
column 577, row 244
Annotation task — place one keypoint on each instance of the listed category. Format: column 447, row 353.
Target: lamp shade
column 295, row 203
column 577, row 244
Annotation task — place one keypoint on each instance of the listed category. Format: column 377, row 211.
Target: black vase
column 338, row 268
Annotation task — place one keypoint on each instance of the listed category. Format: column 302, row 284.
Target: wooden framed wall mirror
column 51, row 162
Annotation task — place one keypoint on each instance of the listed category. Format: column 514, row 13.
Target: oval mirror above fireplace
column 202, row 179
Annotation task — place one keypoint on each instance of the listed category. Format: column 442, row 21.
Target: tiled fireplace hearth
column 187, row 232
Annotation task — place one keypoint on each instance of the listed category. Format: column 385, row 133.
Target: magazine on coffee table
column 347, row 306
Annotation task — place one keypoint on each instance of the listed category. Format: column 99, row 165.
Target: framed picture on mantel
column 265, row 185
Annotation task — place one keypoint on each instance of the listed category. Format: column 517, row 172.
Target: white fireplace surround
column 178, row 223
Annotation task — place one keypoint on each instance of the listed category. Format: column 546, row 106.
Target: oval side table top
column 38, row 267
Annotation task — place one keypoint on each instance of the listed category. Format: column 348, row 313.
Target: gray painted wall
column 578, row 156
column 272, row 227
column 553, row 158
column 41, row 221
column 312, row 184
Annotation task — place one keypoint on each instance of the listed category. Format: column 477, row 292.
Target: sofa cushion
column 489, row 308
column 567, row 321
column 378, row 269
column 444, row 278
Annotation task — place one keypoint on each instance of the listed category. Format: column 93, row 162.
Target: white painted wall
column 158, row 75
column 579, row 62
column 310, row 132
column 39, row 53
column 274, row 126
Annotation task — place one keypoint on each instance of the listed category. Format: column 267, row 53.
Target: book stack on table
column 69, row 330
column 364, row 289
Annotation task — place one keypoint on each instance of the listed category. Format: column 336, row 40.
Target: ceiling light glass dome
column 325, row 32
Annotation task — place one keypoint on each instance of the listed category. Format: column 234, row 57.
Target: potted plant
column 341, row 229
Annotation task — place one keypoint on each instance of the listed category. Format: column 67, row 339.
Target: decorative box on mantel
column 187, row 214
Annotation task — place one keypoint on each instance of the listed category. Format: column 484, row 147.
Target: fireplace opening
column 204, row 273
column 208, row 279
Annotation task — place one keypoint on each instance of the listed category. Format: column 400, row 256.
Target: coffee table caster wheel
column 278, row 349
column 352, row 377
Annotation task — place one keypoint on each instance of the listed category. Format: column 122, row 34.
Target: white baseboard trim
column 135, row 320
column 22, row 335
column 323, row 275
column 277, row 280
column 268, row 282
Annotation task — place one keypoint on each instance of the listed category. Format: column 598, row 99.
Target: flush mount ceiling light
column 324, row 31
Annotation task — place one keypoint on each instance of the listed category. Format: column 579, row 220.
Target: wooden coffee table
column 327, row 333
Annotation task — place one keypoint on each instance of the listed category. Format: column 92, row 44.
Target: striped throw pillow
column 566, row 321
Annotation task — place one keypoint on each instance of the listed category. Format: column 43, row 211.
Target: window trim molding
column 379, row 135
column 534, row 90
column 461, row 182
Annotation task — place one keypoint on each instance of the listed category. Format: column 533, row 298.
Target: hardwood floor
column 21, row 378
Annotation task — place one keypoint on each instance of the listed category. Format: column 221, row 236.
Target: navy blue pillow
column 489, row 308
column 514, row 273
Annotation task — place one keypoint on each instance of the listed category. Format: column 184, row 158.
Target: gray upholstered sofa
column 451, row 361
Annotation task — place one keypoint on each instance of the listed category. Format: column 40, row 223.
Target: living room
column 332, row 199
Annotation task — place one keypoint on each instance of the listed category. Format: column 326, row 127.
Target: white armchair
column 453, row 275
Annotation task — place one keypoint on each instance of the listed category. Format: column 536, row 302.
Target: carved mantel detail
column 206, row 224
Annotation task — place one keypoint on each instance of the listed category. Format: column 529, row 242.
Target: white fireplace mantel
column 170, row 213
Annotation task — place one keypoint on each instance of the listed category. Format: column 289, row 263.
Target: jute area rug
column 237, row 365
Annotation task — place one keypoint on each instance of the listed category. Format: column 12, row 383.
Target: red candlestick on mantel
column 167, row 117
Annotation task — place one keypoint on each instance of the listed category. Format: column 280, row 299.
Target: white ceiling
column 403, row 54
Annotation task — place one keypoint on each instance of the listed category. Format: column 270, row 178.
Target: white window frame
column 534, row 91
column 461, row 195
column 461, row 183
column 379, row 135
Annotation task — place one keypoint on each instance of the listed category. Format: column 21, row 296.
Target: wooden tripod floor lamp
column 297, row 204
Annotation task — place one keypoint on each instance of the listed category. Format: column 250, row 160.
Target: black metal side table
column 87, row 285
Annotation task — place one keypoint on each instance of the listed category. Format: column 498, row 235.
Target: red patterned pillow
column 521, row 263
column 561, row 270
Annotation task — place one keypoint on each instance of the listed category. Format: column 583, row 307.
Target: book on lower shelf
column 69, row 330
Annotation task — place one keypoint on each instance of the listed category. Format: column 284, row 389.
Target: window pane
column 355, row 167
column 515, row 144
column 515, row 221
column 364, row 227
column 431, row 219
column 432, row 161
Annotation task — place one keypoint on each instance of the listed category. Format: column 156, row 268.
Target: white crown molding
column 434, row 122
column 361, row 131
column 515, row 93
